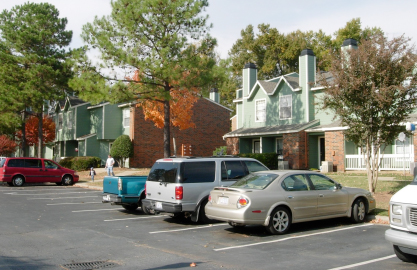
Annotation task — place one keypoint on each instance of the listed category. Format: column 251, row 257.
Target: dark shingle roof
column 268, row 86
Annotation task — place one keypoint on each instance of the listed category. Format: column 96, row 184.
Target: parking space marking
column 363, row 263
column 57, row 198
column 34, row 189
column 43, row 194
column 72, row 203
column 193, row 228
column 291, row 238
column 119, row 219
column 111, row 209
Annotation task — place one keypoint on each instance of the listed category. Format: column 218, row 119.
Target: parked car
column 17, row 171
column 276, row 199
column 181, row 186
column 403, row 223
column 127, row 191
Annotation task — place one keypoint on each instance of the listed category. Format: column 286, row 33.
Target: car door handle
column 321, row 195
column 290, row 197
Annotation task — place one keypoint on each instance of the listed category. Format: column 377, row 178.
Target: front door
column 322, row 153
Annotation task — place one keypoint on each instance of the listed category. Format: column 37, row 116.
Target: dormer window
column 70, row 119
column 260, row 110
column 60, row 120
column 285, row 107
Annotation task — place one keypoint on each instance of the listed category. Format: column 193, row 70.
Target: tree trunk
column 40, row 134
column 167, row 133
column 23, row 145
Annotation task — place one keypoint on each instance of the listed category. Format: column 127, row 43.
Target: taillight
column 209, row 198
column 179, row 194
column 242, row 202
column 145, row 189
column 119, row 184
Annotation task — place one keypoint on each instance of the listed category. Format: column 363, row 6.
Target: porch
column 388, row 162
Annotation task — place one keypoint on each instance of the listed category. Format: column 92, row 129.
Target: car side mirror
column 338, row 186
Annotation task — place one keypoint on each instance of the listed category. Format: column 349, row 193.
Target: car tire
column 130, row 207
column 145, row 210
column 358, row 211
column 67, row 180
column 405, row 257
column 18, row 181
column 280, row 221
column 202, row 218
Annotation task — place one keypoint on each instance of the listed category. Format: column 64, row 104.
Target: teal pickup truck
column 127, row 191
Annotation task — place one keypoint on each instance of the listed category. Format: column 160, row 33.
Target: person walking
column 92, row 173
column 109, row 166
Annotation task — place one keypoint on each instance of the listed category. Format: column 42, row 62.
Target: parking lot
column 55, row 227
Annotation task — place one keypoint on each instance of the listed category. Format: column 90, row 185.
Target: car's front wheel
column 280, row 221
column 67, row 180
column 358, row 211
column 18, row 181
column 405, row 257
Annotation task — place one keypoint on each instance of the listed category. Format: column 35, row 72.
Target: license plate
column 106, row 198
column 223, row 200
column 158, row 205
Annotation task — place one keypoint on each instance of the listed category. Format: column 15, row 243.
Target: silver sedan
column 276, row 199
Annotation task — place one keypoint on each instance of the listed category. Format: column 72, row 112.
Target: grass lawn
column 388, row 184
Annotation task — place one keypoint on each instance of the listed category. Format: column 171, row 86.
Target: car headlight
column 397, row 209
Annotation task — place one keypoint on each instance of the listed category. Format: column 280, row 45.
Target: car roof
column 181, row 159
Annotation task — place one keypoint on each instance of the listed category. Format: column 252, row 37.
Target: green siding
column 313, row 152
column 113, row 116
column 81, row 148
column 268, row 144
column 82, row 116
column 92, row 146
column 96, row 120
column 325, row 116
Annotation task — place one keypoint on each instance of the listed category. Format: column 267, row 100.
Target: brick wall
column 212, row 122
column 335, row 150
column 296, row 150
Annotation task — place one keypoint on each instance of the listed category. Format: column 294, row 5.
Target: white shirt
column 110, row 162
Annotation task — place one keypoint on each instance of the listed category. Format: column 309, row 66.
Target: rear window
column 255, row 181
column 198, row 172
column 2, row 161
column 163, row 172
column 16, row 163
column 254, row 166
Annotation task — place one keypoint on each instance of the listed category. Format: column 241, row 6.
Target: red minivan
column 20, row 170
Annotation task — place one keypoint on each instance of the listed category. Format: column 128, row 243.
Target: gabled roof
column 69, row 101
column 270, row 130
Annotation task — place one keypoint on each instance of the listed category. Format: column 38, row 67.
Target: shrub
column 270, row 160
column 84, row 163
column 122, row 149
column 220, row 151
column 80, row 163
column 66, row 162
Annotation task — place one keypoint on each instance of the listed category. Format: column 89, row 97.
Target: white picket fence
column 392, row 162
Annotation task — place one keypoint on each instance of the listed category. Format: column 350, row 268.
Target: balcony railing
column 387, row 162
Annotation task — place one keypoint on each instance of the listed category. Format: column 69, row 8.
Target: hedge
column 80, row 163
column 270, row 160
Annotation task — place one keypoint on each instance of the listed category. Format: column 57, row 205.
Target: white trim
column 307, row 92
column 260, row 145
column 326, row 129
column 98, row 106
column 317, row 88
column 256, row 110
column 86, row 137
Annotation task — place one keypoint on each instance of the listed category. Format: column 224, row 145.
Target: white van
column 403, row 223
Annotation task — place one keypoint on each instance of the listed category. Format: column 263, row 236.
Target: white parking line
column 193, row 228
column 135, row 218
column 363, row 263
column 112, row 209
column 291, row 238
column 34, row 189
column 72, row 203
column 43, row 194
column 57, row 198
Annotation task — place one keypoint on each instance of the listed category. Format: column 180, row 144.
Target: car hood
column 406, row 195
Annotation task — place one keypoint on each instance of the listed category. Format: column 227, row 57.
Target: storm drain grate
column 90, row 265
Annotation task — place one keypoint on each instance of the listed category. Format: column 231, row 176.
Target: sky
column 229, row 17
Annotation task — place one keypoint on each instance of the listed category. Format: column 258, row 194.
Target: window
column 402, row 147
column 260, row 114
column 296, row 182
column 280, row 148
column 198, row 172
column 50, row 165
column 126, row 117
column 33, row 163
column 321, row 183
column 285, row 107
column 70, row 119
column 256, row 181
column 254, row 166
column 233, row 170
column 16, row 163
column 60, row 120
column 163, row 172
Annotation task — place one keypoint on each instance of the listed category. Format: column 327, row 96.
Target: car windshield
column 3, row 160
column 255, row 181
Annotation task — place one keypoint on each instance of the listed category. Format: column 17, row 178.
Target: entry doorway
column 322, row 151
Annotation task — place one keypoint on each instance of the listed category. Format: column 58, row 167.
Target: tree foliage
column 7, row 146
column 373, row 92
column 33, row 57
column 162, row 39
column 122, row 149
column 32, row 131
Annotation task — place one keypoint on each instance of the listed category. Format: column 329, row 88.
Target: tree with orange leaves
column 7, row 145
column 32, row 125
